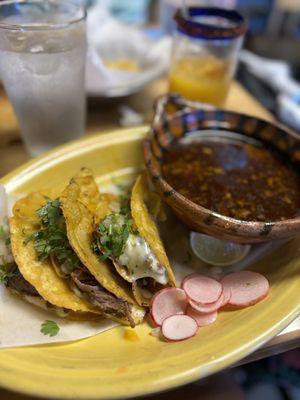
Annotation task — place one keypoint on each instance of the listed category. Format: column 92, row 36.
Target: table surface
column 104, row 115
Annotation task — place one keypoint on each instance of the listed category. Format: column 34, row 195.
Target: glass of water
column 42, row 67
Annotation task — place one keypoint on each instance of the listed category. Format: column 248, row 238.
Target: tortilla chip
column 40, row 274
column 146, row 225
column 80, row 228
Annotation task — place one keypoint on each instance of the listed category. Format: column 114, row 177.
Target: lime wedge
column 215, row 251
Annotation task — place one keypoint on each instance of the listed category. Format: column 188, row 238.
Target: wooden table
column 104, row 115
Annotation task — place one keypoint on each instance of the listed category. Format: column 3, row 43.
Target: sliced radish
column 247, row 287
column 207, row 308
column 202, row 319
column 226, row 294
column 167, row 302
column 202, row 289
column 212, row 307
column 179, row 327
column 188, row 277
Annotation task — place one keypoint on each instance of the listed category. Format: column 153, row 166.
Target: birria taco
column 48, row 237
column 126, row 233
column 30, row 276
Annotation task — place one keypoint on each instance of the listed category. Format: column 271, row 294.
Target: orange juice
column 204, row 79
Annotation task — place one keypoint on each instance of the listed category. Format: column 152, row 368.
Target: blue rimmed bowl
column 176, row 118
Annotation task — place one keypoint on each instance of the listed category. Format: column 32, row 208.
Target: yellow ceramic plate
column 107, row 365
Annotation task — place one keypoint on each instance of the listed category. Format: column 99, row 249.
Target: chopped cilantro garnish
column 1, row 231
column 112, row 234
column 125, row 204
column 5, row 274
column 113, row 231
column 94, row 245
column 49, row 328
column 51, row 239
column 50, row 213
column 105, row 255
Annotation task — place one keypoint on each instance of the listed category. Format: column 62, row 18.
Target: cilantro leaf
column 112, row 234
column 1, row 231
column 49, row 328
column 50, row 213
column 5, row 273
column 51, row 239
column 125, row 204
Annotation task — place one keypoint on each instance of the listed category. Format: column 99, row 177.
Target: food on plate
column 127, row 234
column 173, row 310
column 32, row 277
column 207, row 307
column 167, row 302
column 238, row 180
column 217, row 252
column 202, row 319
column 214, row 306
column 247, row 288
column 179, row 327
column 79, row 203
column 87, row 255
column 45, row 258
column 50, row 328
column 202, row 289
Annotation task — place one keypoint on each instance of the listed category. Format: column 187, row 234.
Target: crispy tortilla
column 26, row 207
column 80, row 227
column 39, row 274
column 89, row 194
column 108, row 203
column 146, row 225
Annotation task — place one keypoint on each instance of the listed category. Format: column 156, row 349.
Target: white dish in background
column 110, row 41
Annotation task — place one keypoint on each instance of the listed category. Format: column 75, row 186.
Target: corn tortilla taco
column 46, row 260
column 131, row 239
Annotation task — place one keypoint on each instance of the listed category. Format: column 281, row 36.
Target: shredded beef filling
column 19, row 284
column 150, row 284
column 87, row 285
column 100, row 297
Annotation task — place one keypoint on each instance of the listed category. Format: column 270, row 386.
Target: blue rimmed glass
column 204, row 55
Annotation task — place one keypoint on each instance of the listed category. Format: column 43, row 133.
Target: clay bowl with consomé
column 180, row 128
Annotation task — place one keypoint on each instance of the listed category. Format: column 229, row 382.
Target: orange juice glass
column 204, row 55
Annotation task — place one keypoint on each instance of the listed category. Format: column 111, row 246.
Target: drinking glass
column 205, row 53
column 42, row 67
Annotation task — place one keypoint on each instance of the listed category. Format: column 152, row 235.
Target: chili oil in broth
column 234, row 178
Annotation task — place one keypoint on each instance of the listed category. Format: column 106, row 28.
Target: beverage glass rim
column 43, row 26
column 186, row 23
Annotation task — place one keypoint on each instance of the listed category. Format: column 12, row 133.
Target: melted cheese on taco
column 136, row 254
column 131, row 239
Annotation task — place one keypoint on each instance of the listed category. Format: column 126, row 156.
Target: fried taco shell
column 143, row 251
column 79, row 202
column 39, row 274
